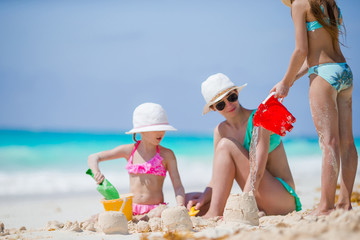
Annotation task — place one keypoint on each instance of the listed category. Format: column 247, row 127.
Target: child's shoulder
column 126, row 146
column 300, row 4
column 127, row 149
column 166, row 152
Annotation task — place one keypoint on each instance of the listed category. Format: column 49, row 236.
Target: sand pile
column 70, row 226
column 112, row 222
column 242, row 208
column 12, row 231
column 142, row 227
column 176, row 219
column 155, row 224
column 169, row 223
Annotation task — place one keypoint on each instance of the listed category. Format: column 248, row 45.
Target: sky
column 86, row 65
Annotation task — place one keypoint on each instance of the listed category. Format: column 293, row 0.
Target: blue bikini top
column 312, row 26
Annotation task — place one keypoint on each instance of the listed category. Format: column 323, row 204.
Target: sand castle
column 242, row 208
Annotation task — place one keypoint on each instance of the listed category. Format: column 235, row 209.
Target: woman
column 317, row 24
column 274, row 185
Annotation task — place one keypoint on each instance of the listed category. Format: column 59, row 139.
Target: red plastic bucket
column 274, row 116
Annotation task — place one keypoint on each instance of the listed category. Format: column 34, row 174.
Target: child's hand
column 281, row 90
column 99, row 177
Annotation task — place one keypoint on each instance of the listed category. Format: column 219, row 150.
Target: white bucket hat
column 215, row 87
column 286, row 2
column 150, row 117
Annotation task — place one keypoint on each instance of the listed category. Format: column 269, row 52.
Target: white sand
column 70, row 212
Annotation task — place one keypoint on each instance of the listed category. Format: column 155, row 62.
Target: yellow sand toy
column 122, row 204
column 193, row 212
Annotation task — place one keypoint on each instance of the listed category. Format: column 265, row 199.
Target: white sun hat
column 215, row 87
column 286, row 2
column 149, row 117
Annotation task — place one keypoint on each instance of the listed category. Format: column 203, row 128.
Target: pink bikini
column 155, row 167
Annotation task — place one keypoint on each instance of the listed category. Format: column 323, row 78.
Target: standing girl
column 148, row 162
column 317, row 49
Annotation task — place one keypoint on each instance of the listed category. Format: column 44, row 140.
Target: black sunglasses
column 231, row 98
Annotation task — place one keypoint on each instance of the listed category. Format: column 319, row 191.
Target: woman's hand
column 281, row 89
column 99, row 177
column 197, row 200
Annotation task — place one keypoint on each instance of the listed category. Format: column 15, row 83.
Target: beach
column 43, row 180
column 72, row 73
column 30, row 218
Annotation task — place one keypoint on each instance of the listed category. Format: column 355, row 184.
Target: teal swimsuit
column 338, row 75
column 275, row 141
column 298, row 206
column 312, row 26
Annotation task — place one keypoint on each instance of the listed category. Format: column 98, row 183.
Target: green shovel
column 105, row 188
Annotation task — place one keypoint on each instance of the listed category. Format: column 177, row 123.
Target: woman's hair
column 331, row 26
column 134, row 137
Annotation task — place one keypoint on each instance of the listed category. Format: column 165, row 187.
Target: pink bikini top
column 153, row 166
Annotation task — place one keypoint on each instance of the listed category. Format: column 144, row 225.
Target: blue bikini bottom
column 339, row 75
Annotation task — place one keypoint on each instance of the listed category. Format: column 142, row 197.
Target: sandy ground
column 27, row 218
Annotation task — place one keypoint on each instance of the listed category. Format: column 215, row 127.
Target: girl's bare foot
column 345, row 206
column 320, row 212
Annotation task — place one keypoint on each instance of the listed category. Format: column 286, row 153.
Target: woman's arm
column 94, row 159
column 298, row 12
column 175, row 178
column 199, row 199
column 262, row 152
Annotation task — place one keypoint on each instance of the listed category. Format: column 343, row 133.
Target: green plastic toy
column 105, row 188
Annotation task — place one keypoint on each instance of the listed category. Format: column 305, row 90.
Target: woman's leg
column 272, row 197
column 227, row 158
column 231, row 162
column 324, row 112
column 349, row 157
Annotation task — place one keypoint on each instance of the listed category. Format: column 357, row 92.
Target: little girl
column 147, row 160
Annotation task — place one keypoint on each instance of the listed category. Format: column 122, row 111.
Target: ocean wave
column 51, row 163
column 194, row 176
column 50, row 181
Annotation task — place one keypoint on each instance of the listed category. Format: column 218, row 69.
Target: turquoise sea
column 55, row 162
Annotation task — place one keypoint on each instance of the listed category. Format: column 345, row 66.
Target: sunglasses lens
column 220, row 106
column 233, row 97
